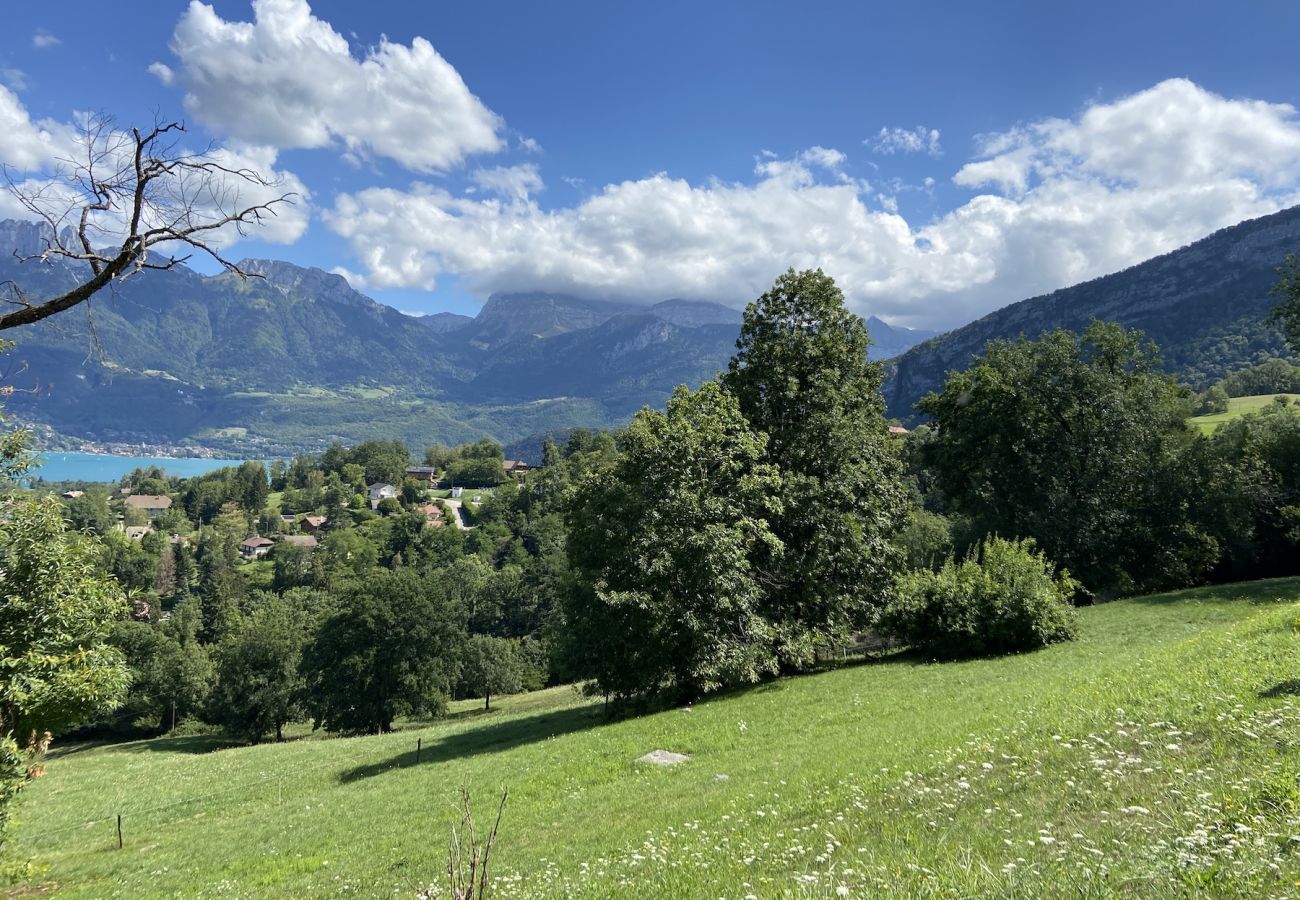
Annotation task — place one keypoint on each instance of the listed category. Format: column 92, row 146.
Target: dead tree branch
column 132, row 192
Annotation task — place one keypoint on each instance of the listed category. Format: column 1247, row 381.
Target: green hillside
column 1155, row 756
column 1237, row 407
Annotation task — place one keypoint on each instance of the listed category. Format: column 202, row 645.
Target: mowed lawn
column 1237, row 407
column 1158, row 755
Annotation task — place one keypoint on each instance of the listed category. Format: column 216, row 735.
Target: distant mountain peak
column 892, row 340
column 444, row 322
column 510, row 316
column 309, row 281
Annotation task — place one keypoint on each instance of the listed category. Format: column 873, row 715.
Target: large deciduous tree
column 1262, row 451
column 802, row 378
column 390, row 651
column 1080, row 443
column 491, row 665
column 672, row 549
column 56, row 610
column 56, row 665
column 259, row 685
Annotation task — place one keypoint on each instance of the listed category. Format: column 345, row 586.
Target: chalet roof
column 898, row 429
column 314, row 521
column 149, row 501
column 421, row 470
column 288, row 518
column 255, row 542
column 511, row 464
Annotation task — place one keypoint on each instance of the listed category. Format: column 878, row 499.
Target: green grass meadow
column 1237, row 407
column 1158, row 755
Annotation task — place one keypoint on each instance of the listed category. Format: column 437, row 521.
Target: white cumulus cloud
column 289, row 80
column 1175, row 133
column 906, row 140
column 37, row 155
column 25, row 144
column 510, row 182
column 1052, row 203
column 43, row 40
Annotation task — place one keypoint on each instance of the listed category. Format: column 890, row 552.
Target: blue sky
column 939, row 161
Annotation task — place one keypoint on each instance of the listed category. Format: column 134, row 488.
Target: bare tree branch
column 133, row 192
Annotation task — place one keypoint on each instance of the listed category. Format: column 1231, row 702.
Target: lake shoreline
column 108, row 468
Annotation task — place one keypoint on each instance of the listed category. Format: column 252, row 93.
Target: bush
column 1213, row 401
column 1003, row 597
column 926, row 539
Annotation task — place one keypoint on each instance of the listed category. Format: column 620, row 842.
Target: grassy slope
column 1125, row 763
column 1237, row 407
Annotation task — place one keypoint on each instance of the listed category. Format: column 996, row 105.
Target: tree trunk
column 279, row 731
column 487, row 700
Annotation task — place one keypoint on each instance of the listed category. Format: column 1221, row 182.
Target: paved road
column 458, row 513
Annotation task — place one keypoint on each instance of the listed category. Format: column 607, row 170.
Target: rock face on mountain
column 1206, row 305
column 23, row 238
column 508, row 317
column 694, row 313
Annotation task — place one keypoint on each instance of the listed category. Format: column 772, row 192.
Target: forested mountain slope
column 1206, row 305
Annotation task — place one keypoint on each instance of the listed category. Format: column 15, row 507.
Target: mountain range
column 295, row 358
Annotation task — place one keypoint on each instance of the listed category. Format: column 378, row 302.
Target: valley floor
column 1158, row 755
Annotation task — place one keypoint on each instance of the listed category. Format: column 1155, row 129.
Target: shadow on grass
column 486, row 739
column 1288, row 688
column 1266, row 590
column 201, row 743
column 195, row 744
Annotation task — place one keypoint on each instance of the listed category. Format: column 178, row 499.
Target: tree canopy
column 1080, row 443
column 802, row 379
column 671, row 546
column 56, row 609
column 390, row 651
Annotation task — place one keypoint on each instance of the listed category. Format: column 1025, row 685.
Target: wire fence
column 122, row 823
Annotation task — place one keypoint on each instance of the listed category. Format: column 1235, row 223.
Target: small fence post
column 418, row 745
column 119, row 831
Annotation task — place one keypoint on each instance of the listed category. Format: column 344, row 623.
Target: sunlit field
column 1158, row 755
column 1237, row 407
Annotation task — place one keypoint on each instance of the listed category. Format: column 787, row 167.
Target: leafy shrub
column 926, row 539
column 1004, row 597
column 1213, row 401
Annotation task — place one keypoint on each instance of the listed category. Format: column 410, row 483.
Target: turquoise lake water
column 58, row 466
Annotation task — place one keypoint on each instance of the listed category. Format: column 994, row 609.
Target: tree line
column 754, row 523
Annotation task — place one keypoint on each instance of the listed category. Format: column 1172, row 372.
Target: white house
column 378, row 492
column 256, row 547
